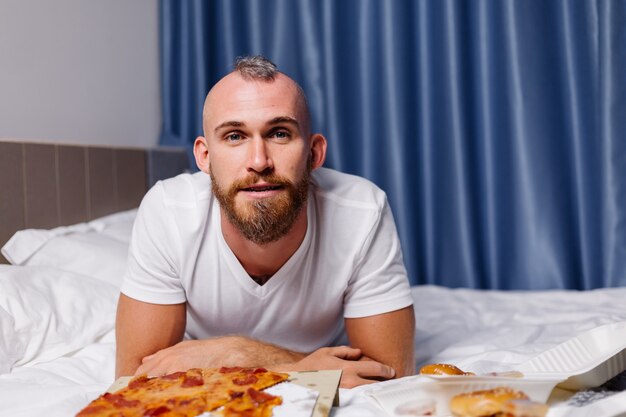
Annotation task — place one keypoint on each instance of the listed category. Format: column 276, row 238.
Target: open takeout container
column 431, row 394
column 585, row 361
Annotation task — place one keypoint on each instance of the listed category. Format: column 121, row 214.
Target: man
column 264, row 258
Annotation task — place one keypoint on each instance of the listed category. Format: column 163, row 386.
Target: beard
column 264, row 220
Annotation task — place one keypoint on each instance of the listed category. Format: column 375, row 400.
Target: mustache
column 254, row 178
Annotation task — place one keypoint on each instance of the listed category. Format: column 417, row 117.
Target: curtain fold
column 497, row 128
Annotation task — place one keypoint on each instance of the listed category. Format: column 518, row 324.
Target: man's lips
column 259, row 188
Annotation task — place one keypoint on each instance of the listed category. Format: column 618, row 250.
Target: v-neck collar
column 283, row 274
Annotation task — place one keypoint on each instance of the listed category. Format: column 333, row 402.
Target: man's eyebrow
column 274, row 121
column 284, row 119
column 231, row 123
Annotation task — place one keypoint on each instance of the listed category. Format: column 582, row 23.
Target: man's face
column 259, row 155
column 263, row 220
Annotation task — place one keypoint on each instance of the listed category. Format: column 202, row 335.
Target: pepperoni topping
column 156, row 411
column 260, row 371
column 175, row 375
column 236, row 394
column 138, row 382
column 247, row 380
column 259, row 397
column 192, row 381
column 228, row 370
column 119, row 401
column 92, row 409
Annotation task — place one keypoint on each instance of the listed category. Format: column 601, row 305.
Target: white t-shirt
column 348, row 265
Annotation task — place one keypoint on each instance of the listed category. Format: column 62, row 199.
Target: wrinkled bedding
column 57, row 316
column 476, row 330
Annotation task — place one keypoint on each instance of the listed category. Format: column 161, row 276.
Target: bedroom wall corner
column 80, row 72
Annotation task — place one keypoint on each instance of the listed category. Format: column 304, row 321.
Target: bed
column 67, row 214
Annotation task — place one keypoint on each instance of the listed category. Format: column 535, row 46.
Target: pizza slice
column 252, row 403
column 186, row 394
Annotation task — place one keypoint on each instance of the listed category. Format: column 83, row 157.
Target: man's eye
column 233, row 137
column 280, row 134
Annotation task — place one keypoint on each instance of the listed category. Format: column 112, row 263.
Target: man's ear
column 201, row 152
column 318, row 150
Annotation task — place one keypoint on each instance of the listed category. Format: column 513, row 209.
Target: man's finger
column 373, row 369
column 345, row 352
column 141, row 370
column 150, row 368
column 351, row 381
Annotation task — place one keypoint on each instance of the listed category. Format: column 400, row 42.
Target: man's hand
column 357, row 369
column 215, row 353
column 240, row 351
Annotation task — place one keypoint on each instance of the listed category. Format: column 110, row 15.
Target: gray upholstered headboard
column 49, row 185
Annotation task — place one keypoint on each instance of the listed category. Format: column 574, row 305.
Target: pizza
column 252, row 403
column 191, row 393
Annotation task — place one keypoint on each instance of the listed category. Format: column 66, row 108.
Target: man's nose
column 259, row 159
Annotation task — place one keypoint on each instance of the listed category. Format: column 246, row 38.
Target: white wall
column 80, row 71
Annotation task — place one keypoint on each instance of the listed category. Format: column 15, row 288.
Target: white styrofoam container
column 537, row 388
column 434, row 392
column 585, row 361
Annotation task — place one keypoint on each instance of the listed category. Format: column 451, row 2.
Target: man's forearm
column 215, row 353
column 144, row 328
column 387, row 338
column 251, row 352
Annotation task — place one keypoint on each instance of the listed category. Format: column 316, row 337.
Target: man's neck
column 264, row 260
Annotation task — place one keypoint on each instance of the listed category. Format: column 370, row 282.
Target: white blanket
column 476, row 330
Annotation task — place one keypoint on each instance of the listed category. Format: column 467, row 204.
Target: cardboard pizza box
column 324, row 382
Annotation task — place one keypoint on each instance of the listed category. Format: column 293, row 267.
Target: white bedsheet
column 60, row 387
column 476, row 330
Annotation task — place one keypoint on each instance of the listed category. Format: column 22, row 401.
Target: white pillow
column 90, row 254
column 98, row 249
column 46, row 313
column 118, row 226
column 10, row 352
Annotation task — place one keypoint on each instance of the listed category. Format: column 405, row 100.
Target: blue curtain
column 497, row 128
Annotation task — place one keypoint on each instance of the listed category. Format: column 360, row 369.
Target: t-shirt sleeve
column 379, row 283
column 152, row 273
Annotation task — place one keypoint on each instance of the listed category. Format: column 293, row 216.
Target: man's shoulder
column 184, row 189
column 347, row 189
column 182, row 201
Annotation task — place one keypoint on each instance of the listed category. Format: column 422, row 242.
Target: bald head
column 254, row 73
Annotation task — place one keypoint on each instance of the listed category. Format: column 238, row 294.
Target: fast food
column 524, row 408
column 251, row 403
column 190, row 393
column 497, row 402
column 442, row 369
